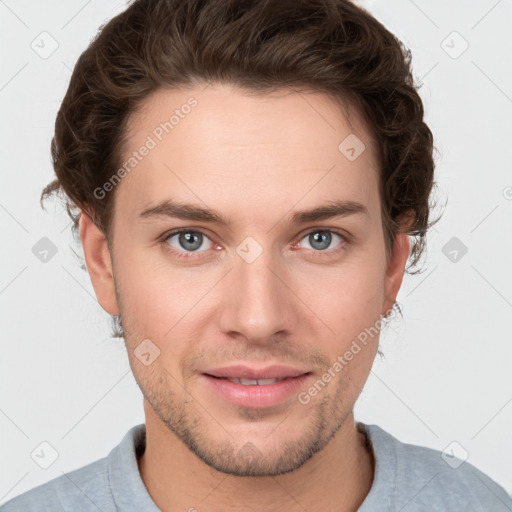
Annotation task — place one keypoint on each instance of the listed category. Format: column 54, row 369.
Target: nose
column 257, row 302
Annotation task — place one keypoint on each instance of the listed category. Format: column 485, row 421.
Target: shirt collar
column 130, row 493
column 128, row 489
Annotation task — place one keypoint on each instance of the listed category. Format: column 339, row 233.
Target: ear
column 99, row 263
column 397, row 261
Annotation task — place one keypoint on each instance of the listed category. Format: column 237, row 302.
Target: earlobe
column 99, row 263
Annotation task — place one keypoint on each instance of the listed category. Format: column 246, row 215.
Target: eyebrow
column 187, row 211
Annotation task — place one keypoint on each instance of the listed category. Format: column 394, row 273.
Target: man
column 247, row 176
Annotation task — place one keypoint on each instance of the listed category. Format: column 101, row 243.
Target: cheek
column 348, row 302
column 163, row 304
column 170, row 303
column 347, row 295
column 149, row 284
column 147, row 297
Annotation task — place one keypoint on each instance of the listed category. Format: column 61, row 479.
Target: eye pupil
column 320, row 237
column 190, row 237
column 191, row 241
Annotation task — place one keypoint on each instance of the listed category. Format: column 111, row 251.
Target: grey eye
column 188, row 240
column 320, row 240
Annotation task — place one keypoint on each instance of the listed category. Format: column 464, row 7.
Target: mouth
column 253, row 382
column 256, row 388
column 248, row 374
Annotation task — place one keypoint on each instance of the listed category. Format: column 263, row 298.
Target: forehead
column 221, row 145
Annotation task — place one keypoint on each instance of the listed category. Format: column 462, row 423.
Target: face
column 257, row 282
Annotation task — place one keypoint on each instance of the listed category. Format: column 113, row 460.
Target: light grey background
column 446, row 378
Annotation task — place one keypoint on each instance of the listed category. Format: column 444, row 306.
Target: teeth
column 253, row 382
column 263, row 382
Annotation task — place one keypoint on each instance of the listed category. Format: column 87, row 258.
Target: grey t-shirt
column 408, row 478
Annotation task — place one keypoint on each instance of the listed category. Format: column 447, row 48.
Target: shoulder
column 85, row 488
column 107, row 484
column 419, row 478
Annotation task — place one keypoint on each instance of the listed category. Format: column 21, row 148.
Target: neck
column 176, row 479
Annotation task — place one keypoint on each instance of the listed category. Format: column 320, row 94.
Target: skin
column 255, row 160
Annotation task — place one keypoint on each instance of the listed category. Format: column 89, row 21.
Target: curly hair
column 330, row 46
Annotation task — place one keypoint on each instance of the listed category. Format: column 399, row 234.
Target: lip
column 248, row 372
column 256, row 396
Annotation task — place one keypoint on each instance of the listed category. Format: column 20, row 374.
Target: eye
column 319, row 240
column 186, row 241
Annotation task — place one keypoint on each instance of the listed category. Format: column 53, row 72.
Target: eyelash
column 190, row 254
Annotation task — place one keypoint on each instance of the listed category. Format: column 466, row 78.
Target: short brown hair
column 330, row 46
